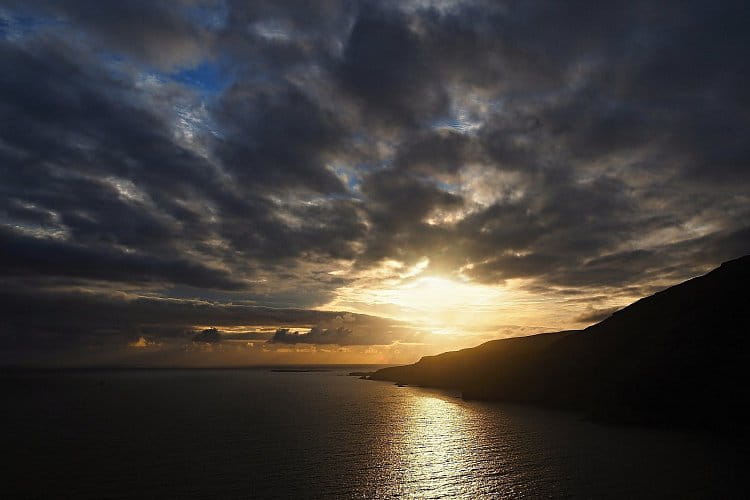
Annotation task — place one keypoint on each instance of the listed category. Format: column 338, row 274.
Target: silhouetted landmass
column 360, row 374
column 678, row 357
column 298, row 370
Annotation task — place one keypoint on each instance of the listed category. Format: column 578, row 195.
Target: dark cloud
column 350, row 330
column 207, row 336
column 593, row 315
column 278, row 138
column 165, row 34
column 435, row 152
column 399, row 206
column 30, row 256
column 51, row 319
column 200, row 152
column 317, row 335
column 386, row 68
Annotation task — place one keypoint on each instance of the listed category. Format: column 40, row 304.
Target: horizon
column 64, row 364
column 216, row 184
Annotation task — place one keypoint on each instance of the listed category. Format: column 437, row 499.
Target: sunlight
column 440, row 304
column 433, row 294
column 441, row 445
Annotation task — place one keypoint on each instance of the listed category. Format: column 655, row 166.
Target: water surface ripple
column 256, row 433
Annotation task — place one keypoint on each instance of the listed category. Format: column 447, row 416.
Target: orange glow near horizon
column 463, row 310
column 439, row 304
column 436, row 301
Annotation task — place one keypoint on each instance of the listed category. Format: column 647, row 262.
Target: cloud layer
column 269, row 154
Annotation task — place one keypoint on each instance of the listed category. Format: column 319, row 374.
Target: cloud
column 347, row 330
column 593, row 315
column 29, row 256
column 387, row 70
column 316, row 335
column 53, row 319
column 165, row 35
column 207, row 336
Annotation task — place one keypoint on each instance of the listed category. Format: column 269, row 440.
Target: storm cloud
column 171, row 164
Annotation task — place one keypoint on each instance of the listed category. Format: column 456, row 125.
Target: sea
column 264, row 433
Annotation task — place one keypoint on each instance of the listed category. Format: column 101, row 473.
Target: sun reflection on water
column 438, row 446
column 436, row 449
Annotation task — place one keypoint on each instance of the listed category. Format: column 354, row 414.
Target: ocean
column 257, row 433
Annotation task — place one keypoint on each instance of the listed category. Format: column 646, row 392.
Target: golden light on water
column 435, row 443
column 441, row 446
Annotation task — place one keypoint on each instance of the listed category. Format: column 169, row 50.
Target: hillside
column 676, row 357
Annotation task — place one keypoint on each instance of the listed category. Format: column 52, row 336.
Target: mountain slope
column 676, row 357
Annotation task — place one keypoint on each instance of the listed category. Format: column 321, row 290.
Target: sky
column 357, row 181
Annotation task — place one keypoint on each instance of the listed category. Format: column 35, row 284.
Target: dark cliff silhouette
column 679, row 357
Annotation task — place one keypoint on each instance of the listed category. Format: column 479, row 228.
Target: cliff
column 676, row 357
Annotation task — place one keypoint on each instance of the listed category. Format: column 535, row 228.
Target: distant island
column 298, row 370
column 676, row 358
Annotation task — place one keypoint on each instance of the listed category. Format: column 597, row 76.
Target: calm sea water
column 257, row 433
